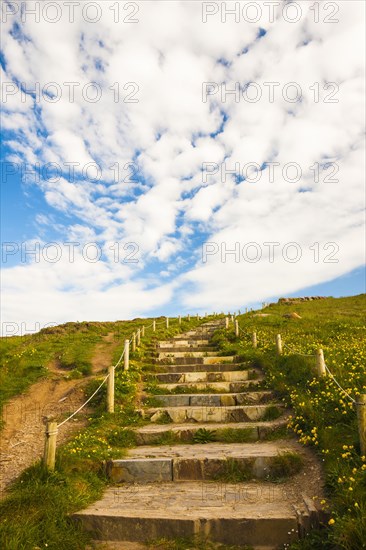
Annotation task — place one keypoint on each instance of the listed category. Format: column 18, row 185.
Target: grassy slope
column 35, row 514
column 323, row 417
column 24, row 359
column 36, row 511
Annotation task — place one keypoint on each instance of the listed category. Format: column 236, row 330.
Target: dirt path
column 22, row 438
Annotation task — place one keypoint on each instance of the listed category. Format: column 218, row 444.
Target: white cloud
column 170, row 131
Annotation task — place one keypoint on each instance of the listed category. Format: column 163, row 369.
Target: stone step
column 218, row 367
column 205, row 376
column 212, row 461
column 237, row 413
column 254, row 514
column 186, row 353
column 183, row 342
column 154, row 434
column 214, row 399
column 197, row 333
column 209, row 360
column 219, row 387
column 185, row 350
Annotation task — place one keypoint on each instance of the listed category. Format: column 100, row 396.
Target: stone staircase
column 210, row 461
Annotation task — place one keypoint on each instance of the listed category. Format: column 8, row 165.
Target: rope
column 86, row 402
column 339, row 386
column 298, row 353
column 96, row 391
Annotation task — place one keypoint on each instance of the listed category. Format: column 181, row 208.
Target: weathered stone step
column 213, row 399
column 205, row 376
column 218, row 367
column 212, row 461
column 237, row 413
column 219, row 387
column 197, row 333
column 154, row 434
column 210, row 360
column 254, row 514
column 185, row 351
column 183, row 342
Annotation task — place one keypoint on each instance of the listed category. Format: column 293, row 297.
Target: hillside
column 37, row 507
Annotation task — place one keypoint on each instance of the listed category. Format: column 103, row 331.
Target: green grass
column 24, row 359
column 271, row 413
column 35, row 513
column 168, row 438
column 233, row 471
column 285, row 465
column 202, row 435
column 232, row 435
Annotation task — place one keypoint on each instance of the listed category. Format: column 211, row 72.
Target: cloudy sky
column 163, row 157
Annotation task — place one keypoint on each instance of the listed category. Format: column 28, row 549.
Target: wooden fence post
column 188, row 317
column 133, row 342
column 320, row 363
column 127, row 354
column 138, row 337
column 232, row 318
column 154, row 325
column 143, row 331
column 279, row 344
column 179, row 320
column 49, row 457
column 254, row 339
column 236, row 328
column 361, row 416
column 197, row 317
column 167, row 322
column 246, row 310
column 110, row 390
column 226, row 322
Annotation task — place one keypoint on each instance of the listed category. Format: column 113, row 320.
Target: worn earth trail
column 22, row 437
column 214, row 460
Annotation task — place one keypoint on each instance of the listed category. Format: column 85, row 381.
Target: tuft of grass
column 202, row 435
column 164, row 418
column 232, row 435
column 153, row 402
column 122, row 437
column 167, row 438
column 280, row 432
column 271, row 413
column 234, row 472
column 285, row 465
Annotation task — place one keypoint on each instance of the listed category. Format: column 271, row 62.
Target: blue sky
column 221, row 165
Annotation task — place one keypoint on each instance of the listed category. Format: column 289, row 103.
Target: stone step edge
column 277, row 530
column 212, row 373
column 152, row 410
column 190, row 468
column 215, row 399
column 201, row 360
column 182, row 385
